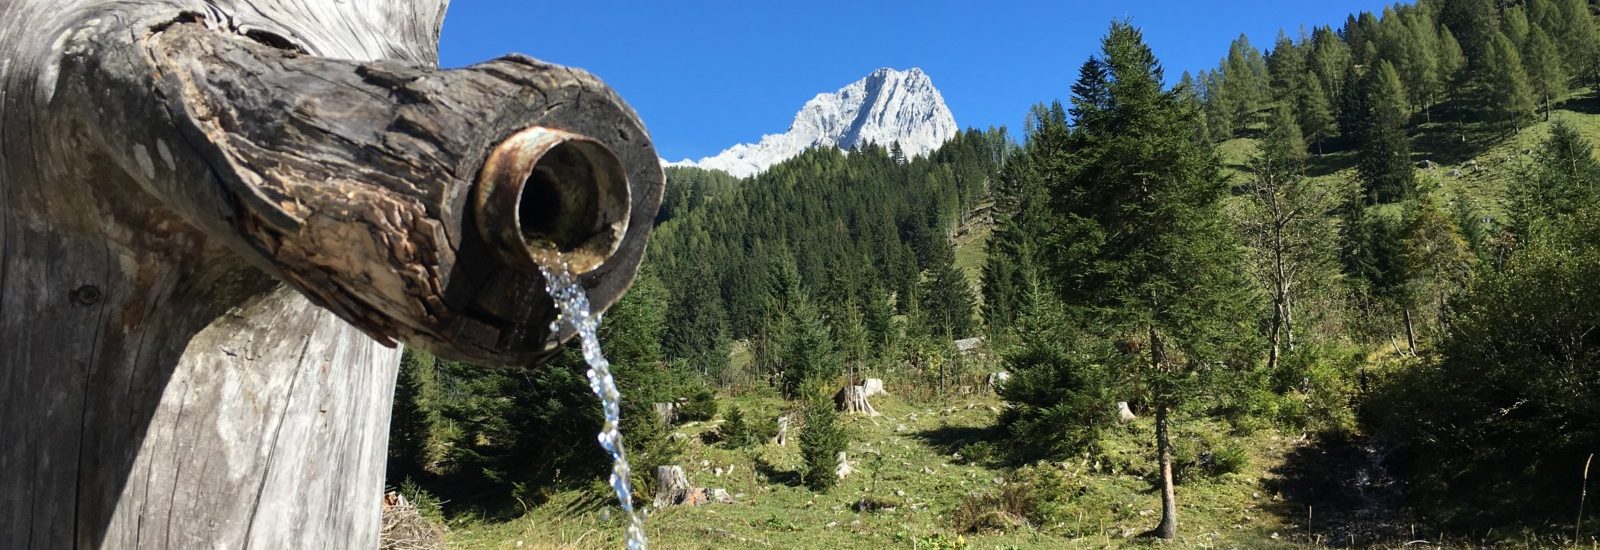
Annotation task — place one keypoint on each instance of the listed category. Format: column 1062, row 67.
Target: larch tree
column 1508, row 97
column 1316, row 118
column 1143, row 241
column 1545, row 70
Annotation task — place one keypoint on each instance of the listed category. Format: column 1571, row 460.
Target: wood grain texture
column 195, row 197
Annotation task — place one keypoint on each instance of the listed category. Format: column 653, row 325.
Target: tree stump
column 672, row 486
column 666, row 413
column 1124, row 414
column 218, row 220
column 853, row 400
column 844, row 469
column 873, row 386
column 782, row 438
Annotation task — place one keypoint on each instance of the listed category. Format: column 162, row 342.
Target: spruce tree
column 821, row 440
column 1144, row 244
column 1545, row 69
column 1565, row 179
column 1385, row 167
column 807, row 351
column 946, row 294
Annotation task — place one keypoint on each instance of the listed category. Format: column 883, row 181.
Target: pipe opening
column 544, row 191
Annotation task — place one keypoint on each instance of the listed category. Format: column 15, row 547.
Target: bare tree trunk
column 217, row 219
column 1411, row 333
column 1168, row 528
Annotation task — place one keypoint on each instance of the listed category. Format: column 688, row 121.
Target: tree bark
column 1168, row 528
column 217, row 218
column 853, row 400
column 1411, row 333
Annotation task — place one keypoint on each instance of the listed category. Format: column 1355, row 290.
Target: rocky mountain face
column 886, row 107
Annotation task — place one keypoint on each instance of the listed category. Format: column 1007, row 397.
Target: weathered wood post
column 217, row 220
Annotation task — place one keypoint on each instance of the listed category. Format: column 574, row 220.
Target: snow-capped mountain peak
column 887, row 106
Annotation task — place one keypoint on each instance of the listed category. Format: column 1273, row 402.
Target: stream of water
column 573, row 303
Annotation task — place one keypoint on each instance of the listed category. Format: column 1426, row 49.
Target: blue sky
column 708, row 74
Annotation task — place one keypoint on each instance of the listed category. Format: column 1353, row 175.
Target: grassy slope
column 918, row 469
column 1236, row 510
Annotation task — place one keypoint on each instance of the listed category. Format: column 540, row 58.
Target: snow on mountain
column 885, row 107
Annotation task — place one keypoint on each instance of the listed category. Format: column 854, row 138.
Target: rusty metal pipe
column 545, row 193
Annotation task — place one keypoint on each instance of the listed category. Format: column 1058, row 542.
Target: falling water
column 573, row 303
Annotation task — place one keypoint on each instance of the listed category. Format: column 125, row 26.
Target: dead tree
column 218, row 218
column 853, row 400
column 672, row 486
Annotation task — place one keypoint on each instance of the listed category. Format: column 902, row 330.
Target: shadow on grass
column 1339, row 492
column 977, row 444
column 772, row 474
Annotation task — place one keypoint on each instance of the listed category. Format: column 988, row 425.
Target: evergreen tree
column 697, row 327
column 878, row 315
column 946, row 295
column 1385, row 167
column 1545, row 69
column 1315, row 114
column 807, row 352
column 1060, row 382
column 1580, row 38
column 850, row 333
column 1565, row 179
column 1509, row 99
column 1451, row 59
column 821, row 440
column 1286, row 65
column 1144, row 244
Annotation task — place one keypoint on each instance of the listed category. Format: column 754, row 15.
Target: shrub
column 700, row 406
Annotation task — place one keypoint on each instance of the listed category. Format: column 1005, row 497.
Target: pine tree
column 1509, row 98
column 1315, row 115
column 1580, row 37
column 1144, row 244
column 1545, row 69
column 1565, row 179
column 821, row 440
column 1287, row 66
column 1451, row 59
column 946, row 294
column 1385, row 167
column 807, row 350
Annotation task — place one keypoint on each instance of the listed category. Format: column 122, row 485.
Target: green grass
column 1114, row 500
column 918, row 470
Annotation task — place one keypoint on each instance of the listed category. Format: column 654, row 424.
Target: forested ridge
column 1379, row 242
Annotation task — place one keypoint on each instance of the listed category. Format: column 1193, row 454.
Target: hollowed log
column 217, row 220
